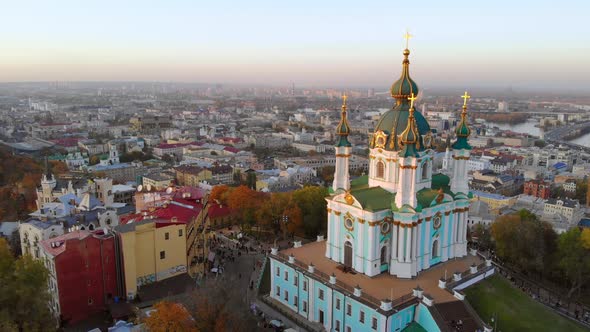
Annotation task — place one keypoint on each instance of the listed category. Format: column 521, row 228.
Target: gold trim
column 360, row 220
column 428, row 218
column 460, row 158
column 348, row 198
column 373, row 223
column 447, row 213
column 337, row 213
column 408, row 167
column 343, row 155
column 329, row 210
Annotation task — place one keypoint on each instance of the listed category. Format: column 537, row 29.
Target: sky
column 520, row 44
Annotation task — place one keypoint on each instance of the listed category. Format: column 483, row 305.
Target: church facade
column 401, row 218
column 385, row 228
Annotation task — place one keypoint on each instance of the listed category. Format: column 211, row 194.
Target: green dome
column 395, row 121
column 405, row 85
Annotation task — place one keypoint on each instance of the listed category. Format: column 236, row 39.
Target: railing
column 344, row 288
column 300, row 321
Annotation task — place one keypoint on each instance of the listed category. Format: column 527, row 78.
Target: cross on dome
column 465, row 97
column 411, row 99
column 407, row 37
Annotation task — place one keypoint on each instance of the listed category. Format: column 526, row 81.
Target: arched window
column 425, row 170
column 435, row 248
column 383, row 255
column 380, row 169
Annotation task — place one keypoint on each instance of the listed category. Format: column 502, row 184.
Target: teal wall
column 402, row 319
column 424, row 318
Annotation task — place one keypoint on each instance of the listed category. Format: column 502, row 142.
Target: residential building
column 82, row 273
column 567, row 209
column 537, row 188
column 151, row 250
column 187, row 175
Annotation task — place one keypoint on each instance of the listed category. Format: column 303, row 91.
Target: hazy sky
column 524, row 43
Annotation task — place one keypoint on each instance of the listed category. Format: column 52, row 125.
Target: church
column 392, row 235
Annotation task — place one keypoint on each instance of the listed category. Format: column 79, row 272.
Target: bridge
column 557, row 135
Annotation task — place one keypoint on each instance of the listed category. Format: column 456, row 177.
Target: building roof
column 314, row 252
column 373, row 199
column 57, row 245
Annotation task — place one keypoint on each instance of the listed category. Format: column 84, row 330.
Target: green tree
column 23, row 293
column 525, row 242
column 574, row 259
column 312, row 203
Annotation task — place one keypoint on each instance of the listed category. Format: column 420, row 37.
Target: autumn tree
column 58, row 167
column 218, row 308
column 294, row 220
column 170, row 317
column 245, row 201
column 23, row 293
column 218, row 193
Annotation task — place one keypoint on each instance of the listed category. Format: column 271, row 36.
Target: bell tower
column 343, row 150
column 461, row 153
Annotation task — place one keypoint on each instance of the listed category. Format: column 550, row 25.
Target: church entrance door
column 348, row 254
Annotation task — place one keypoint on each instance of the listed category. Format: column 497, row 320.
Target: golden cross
column 411, row 99
column 344, row 96
column 407, row 37
column 465, row 97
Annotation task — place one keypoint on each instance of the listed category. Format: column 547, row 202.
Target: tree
column 23, row 293
column 522, row 240
column 484, row 236
column 218, row 193
column 218, row 308
column 170, row 317
column 327, row 174
column 251, row 180
column 58, row 167
column 312, row 203
column 574, row 259
column 294, row 220
column 245, row 201
column 93, row 160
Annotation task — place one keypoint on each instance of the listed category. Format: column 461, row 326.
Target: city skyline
column 337, row 44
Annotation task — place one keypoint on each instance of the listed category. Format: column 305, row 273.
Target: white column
column 329, row 238
column 400, row 246
column 426, row 255
column 337, row 242
column 419, row 245
column 358, row 251
column 409, row 244
column 394, row 241
column 445, row 238
column 373, row 244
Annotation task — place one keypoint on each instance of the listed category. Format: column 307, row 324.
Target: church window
column 321, row 294
column 362, row 316
column 383, row 255
column 435, row 248
column 380, row 169
column 374, row 323
column 385, row 227
column 437, row 222
column 349, row 224
column 425, row 171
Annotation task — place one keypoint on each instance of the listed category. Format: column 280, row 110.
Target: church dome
column 405, row 85
column 395, row 121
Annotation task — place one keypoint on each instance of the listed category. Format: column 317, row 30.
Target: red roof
column 173, row 145
column 60, row 241
column 231, row 149
column 218, row 210
column 71, row 141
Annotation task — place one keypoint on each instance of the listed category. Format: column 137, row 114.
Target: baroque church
column 401, row 218
column 392, row 235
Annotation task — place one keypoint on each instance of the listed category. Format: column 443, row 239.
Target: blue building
column 394, row 236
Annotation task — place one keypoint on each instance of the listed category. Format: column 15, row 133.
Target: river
column 528, row 127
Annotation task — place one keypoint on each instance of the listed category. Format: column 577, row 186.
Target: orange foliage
column 170, row 317
column 218, row 193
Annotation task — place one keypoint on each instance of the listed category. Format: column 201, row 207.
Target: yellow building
column 188, row 175
column 495, row 201
column 151, row 251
